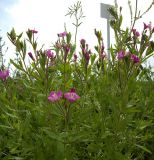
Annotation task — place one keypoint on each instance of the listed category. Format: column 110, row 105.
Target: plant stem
column 76, row 28
column 135, row 18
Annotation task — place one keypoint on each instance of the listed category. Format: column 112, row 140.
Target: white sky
column 48, row 17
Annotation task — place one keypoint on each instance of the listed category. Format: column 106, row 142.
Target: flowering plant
column 62, row 103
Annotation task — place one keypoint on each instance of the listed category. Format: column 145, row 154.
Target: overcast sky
column 48, row 17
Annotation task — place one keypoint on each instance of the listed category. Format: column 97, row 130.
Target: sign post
column 105, row 14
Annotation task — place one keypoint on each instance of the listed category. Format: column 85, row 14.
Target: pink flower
column 49, row 54
column 4, row 74
column 33, row 31
column 135, row 58
column 136, row 33
column 31, row 56
column 120, row 55
column 147, row 26
column 55, row 96
column 63, row 34
column 71, row 96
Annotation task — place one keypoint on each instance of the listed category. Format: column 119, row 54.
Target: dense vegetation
column 64, row 105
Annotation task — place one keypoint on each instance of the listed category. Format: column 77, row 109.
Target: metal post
column 108, row 38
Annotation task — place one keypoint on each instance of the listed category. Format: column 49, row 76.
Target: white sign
column 104, row 11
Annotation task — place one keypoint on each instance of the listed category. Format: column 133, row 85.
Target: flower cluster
column 63, row 34
column 135, row 58
column 71, row 96
column 135, row 33
column 100, row 48
column 50, row 54
column 4, row 74
column 122, row 54
column 66, row 49
column 64, row 45
column 85, row 51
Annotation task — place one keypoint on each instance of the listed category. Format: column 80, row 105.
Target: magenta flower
column 71, row 96
column 33, row 31
column 120, row 55
column 83, row 43
column 147, row 26
column 63, row 34
column 31, row 56
column 135, row 58
column 49, row 54
column 136, row 33
column 87, row 56
column 75, row 57
column 66, row 48
column 55, row 96
column 4, row 74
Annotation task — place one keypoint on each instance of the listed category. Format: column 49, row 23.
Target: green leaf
column 96, row 48
column 143, row 148
column 29, row 35
column 17, row 66
column 68, row 38
column 120, row 21
column 72, row 51
column 4, row 126
column 18, row 45
column 12, row 35
column 143, row 124
column 132, row 110
column 52, row 135
column 93, row 57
